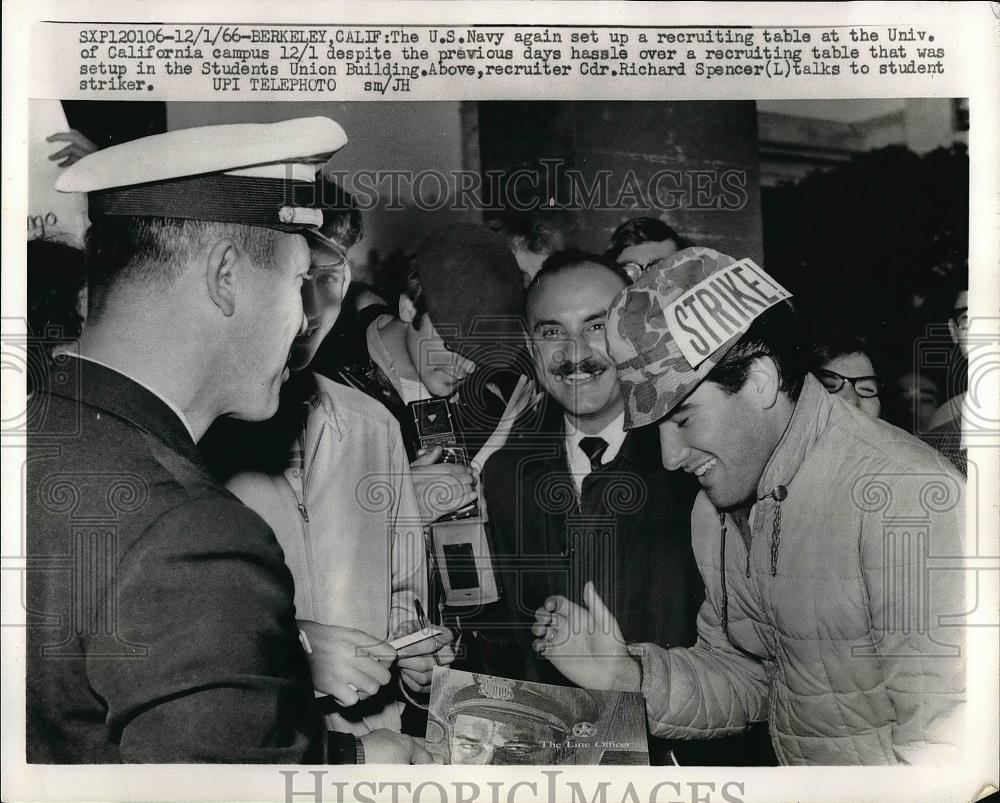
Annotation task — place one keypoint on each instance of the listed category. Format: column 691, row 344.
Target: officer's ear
column 763, row 382
column 221, row 262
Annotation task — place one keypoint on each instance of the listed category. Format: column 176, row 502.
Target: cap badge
column 496, row 688
column 300, row 216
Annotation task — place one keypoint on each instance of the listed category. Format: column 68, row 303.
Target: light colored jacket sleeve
column 409, row 546
column 912, row 542
column 710, row 689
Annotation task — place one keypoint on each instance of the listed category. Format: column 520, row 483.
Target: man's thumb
column 602, row 616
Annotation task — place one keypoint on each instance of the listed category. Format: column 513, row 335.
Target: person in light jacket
column 343, row 509
column 830, row 542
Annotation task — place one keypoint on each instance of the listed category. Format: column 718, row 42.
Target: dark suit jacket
column 629, row 532
column 161, row 621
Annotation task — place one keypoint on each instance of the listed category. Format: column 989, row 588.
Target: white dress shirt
column 579, row 463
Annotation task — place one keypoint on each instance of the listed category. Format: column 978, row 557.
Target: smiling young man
column 821, row 615
column 588, row 501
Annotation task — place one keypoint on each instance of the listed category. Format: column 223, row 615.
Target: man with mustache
column 587, row 501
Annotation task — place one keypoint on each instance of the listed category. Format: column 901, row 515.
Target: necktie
column 594, row 448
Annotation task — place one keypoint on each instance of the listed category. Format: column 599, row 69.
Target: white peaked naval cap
column 258, row 174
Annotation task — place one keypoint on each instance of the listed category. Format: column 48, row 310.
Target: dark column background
column 642, row 137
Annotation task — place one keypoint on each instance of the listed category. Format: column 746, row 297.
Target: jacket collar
column 106, row 389
column 322, row 413
column 809, row 418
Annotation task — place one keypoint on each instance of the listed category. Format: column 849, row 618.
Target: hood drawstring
column 778, row 494
column 722, row 574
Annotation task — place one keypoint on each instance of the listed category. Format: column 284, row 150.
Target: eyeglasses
column 865, row 386
column 636, row 269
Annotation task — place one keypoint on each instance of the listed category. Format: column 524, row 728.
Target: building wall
column 413, row 137
column 705, row 154
column 701, row 144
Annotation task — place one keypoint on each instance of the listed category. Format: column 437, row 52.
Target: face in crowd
column 920, row 399
column 958, row 324
column 480, row 740
column 725, row 439
column 639, row 258
column 852, row 378
column 268, row 324
column 323, row 291
column 567, row 315
column 441, row 370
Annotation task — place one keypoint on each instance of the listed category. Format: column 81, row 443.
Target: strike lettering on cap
column 721, row 307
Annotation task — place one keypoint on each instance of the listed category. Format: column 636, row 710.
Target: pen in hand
column 424, row 624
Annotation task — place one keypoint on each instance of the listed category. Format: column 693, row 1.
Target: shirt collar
column 173, row 407
column 613, row 433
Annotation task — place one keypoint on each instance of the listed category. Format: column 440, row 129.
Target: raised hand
column 585, row 643
column 78, row 147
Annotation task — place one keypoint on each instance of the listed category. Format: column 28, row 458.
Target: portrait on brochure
column 482, row 719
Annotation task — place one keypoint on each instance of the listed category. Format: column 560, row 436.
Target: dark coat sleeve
column 218, row 673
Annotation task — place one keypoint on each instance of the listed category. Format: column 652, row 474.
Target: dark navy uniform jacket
column 161, row 626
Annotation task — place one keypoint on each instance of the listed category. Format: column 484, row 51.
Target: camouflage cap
column 656, row 372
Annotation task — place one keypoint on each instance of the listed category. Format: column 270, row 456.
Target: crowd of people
column 631, row 470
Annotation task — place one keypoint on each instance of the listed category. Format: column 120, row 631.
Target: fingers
column 69, row 150
column 428, row 646
column 381, row 652
column 363, row 674
column 72, row 136
column 345, row 695
column 550, row 618
column 557, row 603
column 445, row 655
column 78, row 147
column 427, row 458
column 442, row 488
column 418, row 681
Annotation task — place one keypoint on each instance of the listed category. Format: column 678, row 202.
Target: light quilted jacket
column 841, row 624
